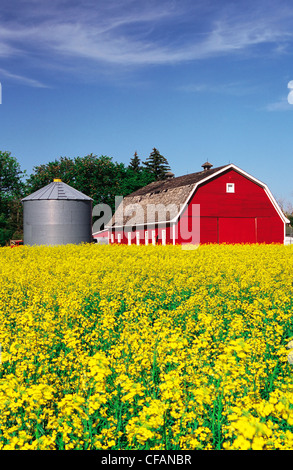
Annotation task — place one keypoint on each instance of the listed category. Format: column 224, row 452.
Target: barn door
column 237, row 230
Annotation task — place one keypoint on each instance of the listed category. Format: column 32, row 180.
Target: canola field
column 146, row 347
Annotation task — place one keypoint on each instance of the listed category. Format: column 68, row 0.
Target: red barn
column 216, row 205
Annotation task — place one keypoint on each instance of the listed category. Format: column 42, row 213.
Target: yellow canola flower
column 139, row 347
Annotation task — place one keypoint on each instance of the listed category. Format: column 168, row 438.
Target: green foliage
column 135, row 163
column 10, row 176
column 134, row 180
column 97, row 177
column 157, row 165
column 136, row 176
column 11, row 191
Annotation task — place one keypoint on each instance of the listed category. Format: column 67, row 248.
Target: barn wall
column 269, row 230
column 215, row 216
column 245, row 216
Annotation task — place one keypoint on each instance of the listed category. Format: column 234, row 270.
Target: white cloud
column 137, row 33
column 115, row 42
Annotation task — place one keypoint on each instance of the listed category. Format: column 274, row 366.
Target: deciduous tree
column 97, row 177
column 11, row 191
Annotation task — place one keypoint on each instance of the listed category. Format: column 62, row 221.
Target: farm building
column 57, row 214
column 216, row 205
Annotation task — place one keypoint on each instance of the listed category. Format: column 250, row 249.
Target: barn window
column 230, row 188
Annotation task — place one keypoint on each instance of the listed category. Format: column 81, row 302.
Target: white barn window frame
column 230, row 187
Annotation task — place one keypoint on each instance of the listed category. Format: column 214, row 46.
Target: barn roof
column 57, row 190
column 143, row 206
column 172, row 183
column 172, row 192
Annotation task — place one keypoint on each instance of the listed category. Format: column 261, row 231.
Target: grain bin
column 57, row 215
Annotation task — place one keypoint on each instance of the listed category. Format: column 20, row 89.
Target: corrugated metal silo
column 57, row 215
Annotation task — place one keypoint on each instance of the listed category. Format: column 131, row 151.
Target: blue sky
column 199, row 80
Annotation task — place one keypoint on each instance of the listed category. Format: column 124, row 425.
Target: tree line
column 100, row 178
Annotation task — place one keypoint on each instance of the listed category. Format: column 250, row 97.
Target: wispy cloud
column 237, row 88
column 135, row 33
column 281, row 105
column 21, row 79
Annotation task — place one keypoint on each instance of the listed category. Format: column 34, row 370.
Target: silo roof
column 57, row 190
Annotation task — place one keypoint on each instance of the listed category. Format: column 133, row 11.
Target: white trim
column 101, row 231
column 137, row 234
column 163, row 236
column 153, row 237
column 146, row 237
column 285, row 233
column 129, row 238
column 110, row 227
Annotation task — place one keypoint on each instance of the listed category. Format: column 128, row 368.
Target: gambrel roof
column 174, row 193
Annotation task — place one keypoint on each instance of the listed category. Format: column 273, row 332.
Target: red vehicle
column 14, row 243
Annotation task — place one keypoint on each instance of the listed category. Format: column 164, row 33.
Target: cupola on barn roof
column 207, row 166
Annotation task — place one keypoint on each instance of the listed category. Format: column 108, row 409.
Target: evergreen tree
column 157, row 165
column 135, row 163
